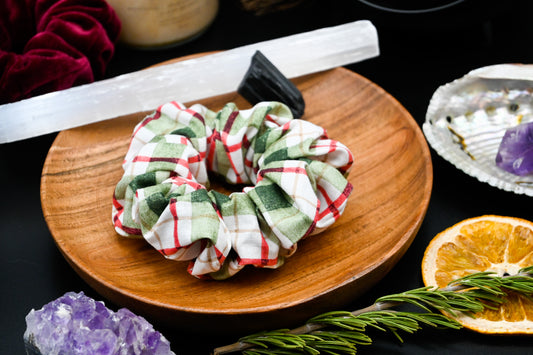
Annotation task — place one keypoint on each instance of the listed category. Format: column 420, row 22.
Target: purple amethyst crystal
column 515, row 153
column 77, row 324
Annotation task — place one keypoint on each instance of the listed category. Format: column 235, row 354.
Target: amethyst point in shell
column 515, row 153
column 468, row 117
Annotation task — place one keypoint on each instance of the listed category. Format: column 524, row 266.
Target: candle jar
column 163, row 23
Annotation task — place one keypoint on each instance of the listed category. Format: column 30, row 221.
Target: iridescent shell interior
column 467, row 118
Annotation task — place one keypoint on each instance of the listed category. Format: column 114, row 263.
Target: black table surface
column 419, row 52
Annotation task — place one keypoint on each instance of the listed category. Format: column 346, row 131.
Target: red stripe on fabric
column 116, row 203
column 220, row 256
column 245, row 142
column 331, row 145
column 294, row 170
column 286, row 127
column 116, row 218
column 221, row 259
column 270, row 119
column 177, row 161
column 315, row 220
column 232, row 148
column 230, row 121
column 211, row 137
column 217, row 210
column 142, row 158
column 211, row 149
column 175, row 104
column 201, row 277
column 155, row 116
column 174, row 213
column 264, row 247
column 168, row 251
column 132, row 231
column 334, row 205
column 343, row 169
column 258, row 262
column 179, row 180
column 190, row 267
column 196, row 115
column 330, row 207
column 194, row 159
column 223, row 137
column 311, row 226
column 119, row 225
column 347, row 190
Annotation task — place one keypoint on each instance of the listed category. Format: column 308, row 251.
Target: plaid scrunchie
column 298, row 175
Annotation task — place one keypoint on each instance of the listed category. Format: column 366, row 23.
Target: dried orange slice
column 502, row 245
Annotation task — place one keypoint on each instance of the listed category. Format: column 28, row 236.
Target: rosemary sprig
column 340, row 332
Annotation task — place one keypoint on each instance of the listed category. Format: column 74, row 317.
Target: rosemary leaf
column 277, row 338
column 354, row 338
column 436, row 320
column 274, row 352
column 429, row 298
column 333, row 342
column 526, row 270
column 340, row 319
column 484, row 280
column 393, row 320
column 518, row 283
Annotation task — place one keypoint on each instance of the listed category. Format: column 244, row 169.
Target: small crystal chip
column 515, row 153
column 77, row 324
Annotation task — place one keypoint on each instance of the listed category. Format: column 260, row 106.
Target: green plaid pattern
column 297, row 172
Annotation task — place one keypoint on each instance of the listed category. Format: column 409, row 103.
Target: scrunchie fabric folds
column 49, row 45
column 297, row 172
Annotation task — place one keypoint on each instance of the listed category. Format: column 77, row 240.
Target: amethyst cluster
column 515, row 153
column 77, row 324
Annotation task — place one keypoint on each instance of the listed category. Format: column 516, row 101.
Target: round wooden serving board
column 392, row 179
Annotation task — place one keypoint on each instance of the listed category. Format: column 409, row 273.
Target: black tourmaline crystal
column 264, row 82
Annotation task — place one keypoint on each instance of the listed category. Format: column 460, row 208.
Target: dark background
column 419, row 52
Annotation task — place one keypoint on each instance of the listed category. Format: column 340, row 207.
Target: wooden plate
column 392, row 178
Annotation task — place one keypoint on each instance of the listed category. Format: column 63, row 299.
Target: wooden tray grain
column 392, row 178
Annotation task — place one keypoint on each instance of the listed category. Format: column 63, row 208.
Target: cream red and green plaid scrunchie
column 298, row 175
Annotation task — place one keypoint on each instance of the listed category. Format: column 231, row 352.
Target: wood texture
column 392, row 178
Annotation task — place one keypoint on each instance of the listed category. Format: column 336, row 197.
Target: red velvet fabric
column 48, row 45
